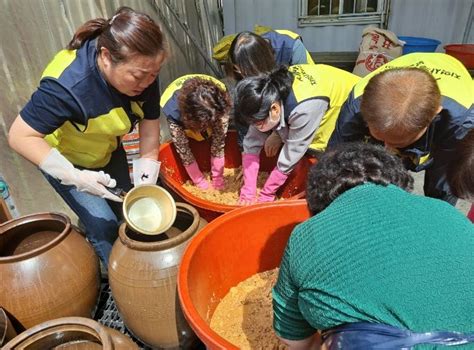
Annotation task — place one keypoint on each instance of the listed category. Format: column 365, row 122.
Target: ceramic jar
column 48, row 270
column 142, row 276
column 71, row 333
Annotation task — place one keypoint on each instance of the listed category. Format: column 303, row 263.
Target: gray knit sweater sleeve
column 254, row 140
column 298, row 134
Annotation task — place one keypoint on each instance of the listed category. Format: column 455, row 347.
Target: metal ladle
column 147, row 209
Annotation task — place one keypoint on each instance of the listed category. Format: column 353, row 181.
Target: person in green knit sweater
column 375, row 266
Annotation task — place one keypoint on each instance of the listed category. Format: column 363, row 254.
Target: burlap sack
column 378, row 46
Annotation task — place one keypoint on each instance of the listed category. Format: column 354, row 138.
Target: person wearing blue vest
column 301, row 103
column 420, row 106
column 90, row 95
column 374, row 267
column 197, row 106
column 251, row 54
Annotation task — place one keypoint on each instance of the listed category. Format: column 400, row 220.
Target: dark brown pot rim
column 169, row 243
column 6, row 328
column 48, row 328
column 27, row 219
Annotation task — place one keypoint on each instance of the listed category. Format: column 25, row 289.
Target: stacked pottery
column 71, row 333
column 48, row 270
column 142, row 276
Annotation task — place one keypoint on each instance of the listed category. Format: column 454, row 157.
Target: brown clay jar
column 71, row 333
column 48, row 270
column 143, row 275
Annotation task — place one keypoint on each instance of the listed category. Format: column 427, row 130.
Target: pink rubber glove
column 250, row 165
column 196, row 176
column 273, row 183
column 217, row 173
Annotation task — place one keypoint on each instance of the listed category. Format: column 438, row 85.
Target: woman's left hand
column 145, row 171
column 273, row 183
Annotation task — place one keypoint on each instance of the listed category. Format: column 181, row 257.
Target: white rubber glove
column 145, row 171
column 93, row 182
column 272, row 144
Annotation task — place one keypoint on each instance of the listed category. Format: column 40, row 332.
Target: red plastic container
column 173, row 174
column 463, row 52
column 227, row 251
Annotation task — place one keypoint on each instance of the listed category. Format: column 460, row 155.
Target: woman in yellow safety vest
column 251, row 54
column 301, row 103
column 197, row 106
column 90, row 95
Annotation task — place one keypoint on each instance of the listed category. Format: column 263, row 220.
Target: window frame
column 379, row 17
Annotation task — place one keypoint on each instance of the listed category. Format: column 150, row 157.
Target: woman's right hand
column 196, row 176
column 93, row 182
column 250, row 166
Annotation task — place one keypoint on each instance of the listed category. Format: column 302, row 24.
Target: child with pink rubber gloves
column 301, row 103
column 197, row 106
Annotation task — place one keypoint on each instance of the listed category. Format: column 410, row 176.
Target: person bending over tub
column 301, row 103
column 90, row 95
column 375, row 267
column 420, row 106
column 197, row 106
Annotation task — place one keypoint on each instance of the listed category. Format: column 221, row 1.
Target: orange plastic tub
column 173, row 174
column 227, row 251
column 463, row 52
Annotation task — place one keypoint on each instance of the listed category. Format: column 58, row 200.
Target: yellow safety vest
column 169, row 102
column 325, row 82
column 89, row 145
column 454, row 81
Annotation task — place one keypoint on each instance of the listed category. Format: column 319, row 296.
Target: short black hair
column 253, row 96
column 348, row 165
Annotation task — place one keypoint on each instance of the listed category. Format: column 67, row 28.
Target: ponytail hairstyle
column 126, row 34
column 254, row 95
column 249, row 55
column 202, row 104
